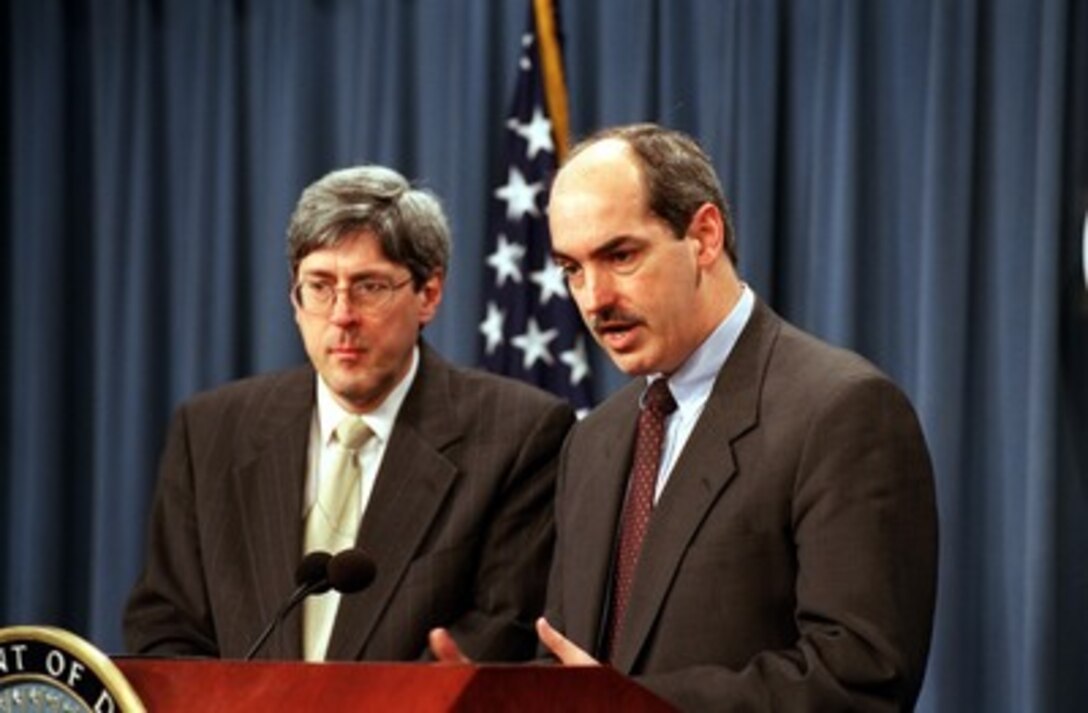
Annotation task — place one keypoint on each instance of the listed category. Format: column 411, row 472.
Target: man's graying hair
column 679, row 175
column 408, row 222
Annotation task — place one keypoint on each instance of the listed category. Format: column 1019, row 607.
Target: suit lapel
column 268, row 497
column 597, row 499
column 701, row 474
column 413, row 482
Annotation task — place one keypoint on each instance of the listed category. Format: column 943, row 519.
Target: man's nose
column 342, row 310
column 597, row 293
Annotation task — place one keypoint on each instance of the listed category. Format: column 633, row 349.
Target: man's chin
column 632, row 363
column 348, row 389
column 358, row 400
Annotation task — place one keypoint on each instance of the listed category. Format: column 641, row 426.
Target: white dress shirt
column 328, row 414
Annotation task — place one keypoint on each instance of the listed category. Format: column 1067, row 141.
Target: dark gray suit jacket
column 790, row 563
column 460, row 521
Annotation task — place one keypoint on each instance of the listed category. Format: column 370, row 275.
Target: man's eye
column 370, row 287
column 319, row 289
column 621, row 257
column 571, row 273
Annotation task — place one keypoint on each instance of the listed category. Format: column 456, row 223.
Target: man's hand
column 444, row 648
column 562, row 647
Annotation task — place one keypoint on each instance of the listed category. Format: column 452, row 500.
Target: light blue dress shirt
column 693, row 381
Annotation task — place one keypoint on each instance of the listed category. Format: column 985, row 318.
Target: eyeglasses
column 370, row 294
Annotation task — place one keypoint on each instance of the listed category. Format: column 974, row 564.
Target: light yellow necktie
column 332, row 526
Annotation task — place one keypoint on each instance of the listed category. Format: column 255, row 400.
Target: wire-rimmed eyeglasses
column 369, row 294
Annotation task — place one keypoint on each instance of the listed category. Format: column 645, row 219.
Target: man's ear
column 430, row 296
column 707, row 229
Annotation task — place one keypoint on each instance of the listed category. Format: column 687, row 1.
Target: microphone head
column 313, row 571
column 351, row 571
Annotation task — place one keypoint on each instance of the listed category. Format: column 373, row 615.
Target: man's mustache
column 612, row 319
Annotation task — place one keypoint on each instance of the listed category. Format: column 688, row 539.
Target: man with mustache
column 445, row 476
column 750, row 524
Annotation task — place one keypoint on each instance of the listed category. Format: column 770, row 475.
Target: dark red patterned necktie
column 657, row 405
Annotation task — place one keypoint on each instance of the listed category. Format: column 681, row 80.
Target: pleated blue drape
column 909, row 179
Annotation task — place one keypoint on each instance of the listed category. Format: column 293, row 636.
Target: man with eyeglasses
column 448, row 473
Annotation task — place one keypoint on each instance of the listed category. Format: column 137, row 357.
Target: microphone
column 311, row 573
column 351, row 571
column 347, row 572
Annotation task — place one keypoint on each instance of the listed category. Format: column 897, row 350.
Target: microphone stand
column 304, row 590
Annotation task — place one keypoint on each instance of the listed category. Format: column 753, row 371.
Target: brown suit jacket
column 790, row 563
column 460, row 521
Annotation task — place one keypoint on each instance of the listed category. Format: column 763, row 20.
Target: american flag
column 531, row 329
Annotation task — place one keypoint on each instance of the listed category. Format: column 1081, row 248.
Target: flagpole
column 555, row 85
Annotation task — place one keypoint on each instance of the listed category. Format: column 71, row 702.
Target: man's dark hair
column 408, row 222
column 678, row 174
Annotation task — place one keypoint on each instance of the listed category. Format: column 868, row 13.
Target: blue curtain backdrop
column 909, row 179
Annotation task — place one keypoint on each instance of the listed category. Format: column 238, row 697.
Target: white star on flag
column 534, row 342
column 520, row 196
column 577, row 359
column 505, row 260
column 551, row 281
column 524, row 62
column 491, row 327
column 538, row 132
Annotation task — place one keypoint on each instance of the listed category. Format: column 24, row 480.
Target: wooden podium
column 194, row 684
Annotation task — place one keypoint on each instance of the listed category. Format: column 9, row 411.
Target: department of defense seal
column 46, row 669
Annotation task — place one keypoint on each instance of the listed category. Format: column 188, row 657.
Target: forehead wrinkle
column 356, row 258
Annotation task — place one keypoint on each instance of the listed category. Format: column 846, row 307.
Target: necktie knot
column 352, row 433
column 658, row 398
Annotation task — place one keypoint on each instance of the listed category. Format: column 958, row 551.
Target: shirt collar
column 692, row 382
column 330, row 413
